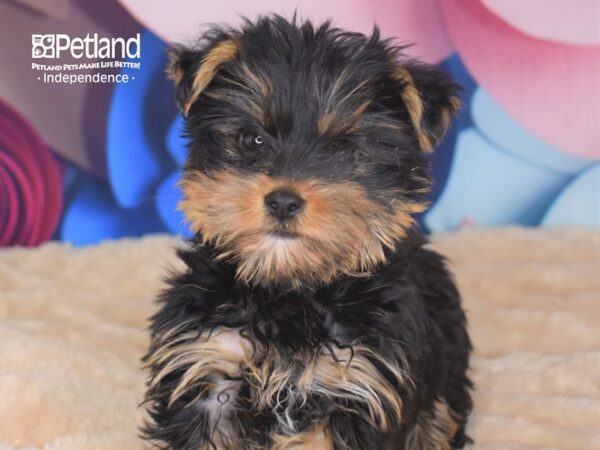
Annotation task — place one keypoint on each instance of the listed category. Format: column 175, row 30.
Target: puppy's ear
column 192, row 70
column 431, row 97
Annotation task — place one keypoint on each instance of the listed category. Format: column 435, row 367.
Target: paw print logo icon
column 42, row 46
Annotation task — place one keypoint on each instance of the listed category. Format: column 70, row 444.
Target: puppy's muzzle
column 284, row 204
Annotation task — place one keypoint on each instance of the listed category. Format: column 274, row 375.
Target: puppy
column 311, row 314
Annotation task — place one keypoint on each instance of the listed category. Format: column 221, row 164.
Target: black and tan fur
column 330, row 325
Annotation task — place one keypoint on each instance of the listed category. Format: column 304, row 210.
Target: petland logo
column 98, row 59
column 53, row 46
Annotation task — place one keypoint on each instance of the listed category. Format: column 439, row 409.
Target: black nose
column 283, row 204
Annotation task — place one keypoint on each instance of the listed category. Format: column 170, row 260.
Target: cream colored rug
column 72, row 332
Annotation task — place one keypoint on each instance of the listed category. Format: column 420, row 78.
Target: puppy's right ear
column 193, row 70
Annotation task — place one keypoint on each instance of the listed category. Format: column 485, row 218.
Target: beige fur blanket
column 72, row 332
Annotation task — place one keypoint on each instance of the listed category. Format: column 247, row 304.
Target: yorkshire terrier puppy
column 311, row 314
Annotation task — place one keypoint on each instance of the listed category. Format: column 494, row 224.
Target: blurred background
column 87, row 162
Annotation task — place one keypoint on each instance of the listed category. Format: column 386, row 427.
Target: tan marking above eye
column 332, row 122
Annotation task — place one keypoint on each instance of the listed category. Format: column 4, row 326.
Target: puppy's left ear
column 431, row 98
column 192, row 70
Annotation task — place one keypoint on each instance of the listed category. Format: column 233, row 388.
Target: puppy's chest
column 286, row 339
column 236, row 370
column 226, row 371
column 282, row 361
column 284, row 355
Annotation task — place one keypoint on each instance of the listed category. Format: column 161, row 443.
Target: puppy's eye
column 251, row 140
